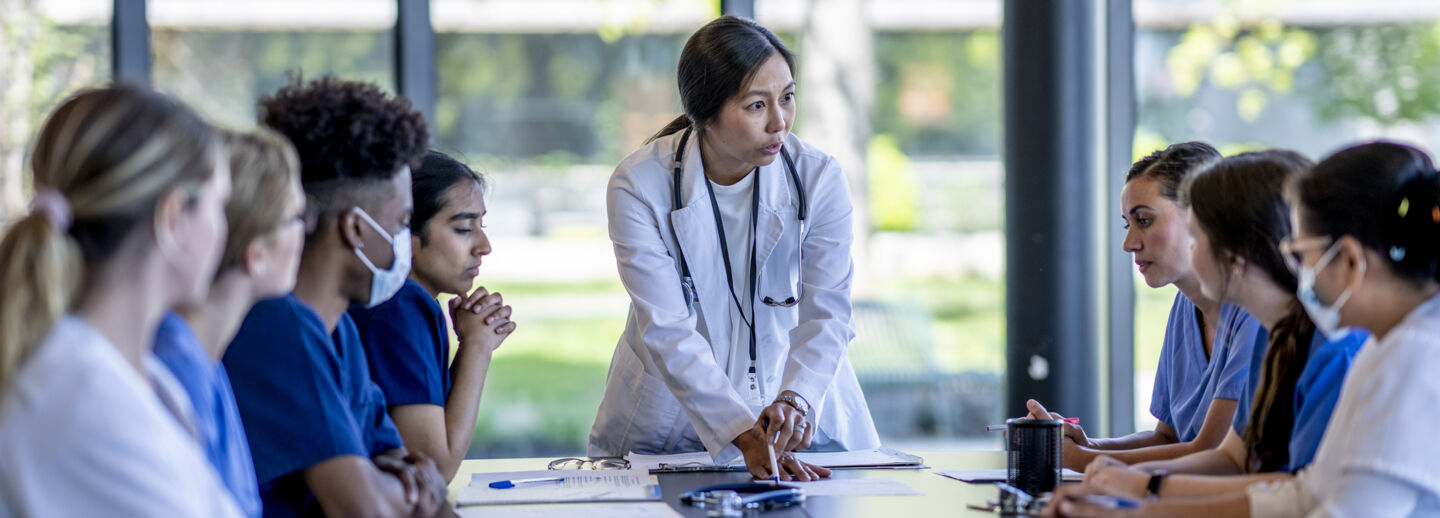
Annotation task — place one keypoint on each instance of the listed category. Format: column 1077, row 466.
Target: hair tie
column 51, row 204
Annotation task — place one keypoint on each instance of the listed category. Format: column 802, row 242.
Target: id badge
column 754, row 393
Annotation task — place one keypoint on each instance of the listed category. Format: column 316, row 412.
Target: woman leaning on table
column 732, row 238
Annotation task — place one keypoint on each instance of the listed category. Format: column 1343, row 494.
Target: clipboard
column 879, row 458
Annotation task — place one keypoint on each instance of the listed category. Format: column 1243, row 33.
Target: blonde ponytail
column 40, row 268
column 105, row 157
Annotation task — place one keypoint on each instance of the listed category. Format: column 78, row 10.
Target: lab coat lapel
column 775, row 187
column 695, row 230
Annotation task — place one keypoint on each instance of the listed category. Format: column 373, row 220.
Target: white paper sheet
column 999, row 475
column 883, row 457
column 578, row 486
column 613, row 510
column 856, row 487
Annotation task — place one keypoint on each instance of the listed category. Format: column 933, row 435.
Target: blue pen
column 1111, row 502
column 507, row 484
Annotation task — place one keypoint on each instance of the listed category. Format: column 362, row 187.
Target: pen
column 507, row 484
column 770, row 448
column 1111, row 502
column 995, row 427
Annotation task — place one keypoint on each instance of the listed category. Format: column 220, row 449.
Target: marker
column 997, row 427
column 1111, row 502
column 507, row 484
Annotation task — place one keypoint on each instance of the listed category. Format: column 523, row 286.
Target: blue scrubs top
column 1316, row 392
column 1186, row 380
column 306, row 397
column 408, row 344
column 217, row 418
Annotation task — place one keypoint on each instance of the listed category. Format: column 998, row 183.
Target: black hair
column 348, row 135
column 1239, row 203
column 437, row 173
column 1172, row 164
column 716, row 63
column 1384, row 194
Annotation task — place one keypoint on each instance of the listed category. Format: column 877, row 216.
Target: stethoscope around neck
column 687, row 282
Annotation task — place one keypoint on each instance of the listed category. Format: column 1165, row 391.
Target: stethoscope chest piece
column 738, row 499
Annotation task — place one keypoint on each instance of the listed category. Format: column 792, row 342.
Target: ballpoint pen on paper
column 507, row 484
column 995, row 427
column 770, row 448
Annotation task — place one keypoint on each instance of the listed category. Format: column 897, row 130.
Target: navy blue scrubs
column 305, row 397
column 408, row 344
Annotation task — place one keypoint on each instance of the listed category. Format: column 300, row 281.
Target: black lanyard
column 725, row 253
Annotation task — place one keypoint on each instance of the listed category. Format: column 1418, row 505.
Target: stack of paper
column 700, row 461
column 613, row 510
column 999, row 475
column 577, row 486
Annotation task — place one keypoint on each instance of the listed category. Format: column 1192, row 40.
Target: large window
column 546, row 98
column 221, row 56
column 1308, row 76
column 913, row 116
column 48, row 48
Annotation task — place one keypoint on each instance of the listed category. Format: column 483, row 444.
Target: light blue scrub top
column 217, row 417
column 1316, row 392
column 1186, row 380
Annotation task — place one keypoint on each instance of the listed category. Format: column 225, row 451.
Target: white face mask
column 1326, row 318
column 386, row 283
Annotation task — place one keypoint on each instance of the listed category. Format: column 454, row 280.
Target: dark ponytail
column 1239, row 203
column 1384, row 194
column 716, row 63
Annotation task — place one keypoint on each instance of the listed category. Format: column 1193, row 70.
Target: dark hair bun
column 1413, row 243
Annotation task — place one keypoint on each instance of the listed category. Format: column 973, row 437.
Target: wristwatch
column 1157, row 477
column 797, row 402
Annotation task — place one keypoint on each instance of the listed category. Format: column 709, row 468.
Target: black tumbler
column 1033, row 450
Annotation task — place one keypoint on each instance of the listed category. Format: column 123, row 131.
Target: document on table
column 999, row 475
column 577, row 486
column 855, row 487
column 700, row 461
column 610, row 510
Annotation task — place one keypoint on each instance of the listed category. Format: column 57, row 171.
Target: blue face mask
column 1326, row 318
column 386, row 283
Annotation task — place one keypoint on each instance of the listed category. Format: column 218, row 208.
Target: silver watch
column 795, row 401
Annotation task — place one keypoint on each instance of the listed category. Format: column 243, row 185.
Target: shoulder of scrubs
column 1180, row 332
column 222, row 437
column 1317, row 390
column 406, row 342
column 1235, row 340
column 285, row 372
column 1252, row 383
column 367, row 400
column 84, row 434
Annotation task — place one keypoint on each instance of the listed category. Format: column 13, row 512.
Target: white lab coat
column 668, row 390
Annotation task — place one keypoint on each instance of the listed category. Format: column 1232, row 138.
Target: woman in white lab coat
column 721, row 220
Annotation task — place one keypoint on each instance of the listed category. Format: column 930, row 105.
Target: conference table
column 940, row 496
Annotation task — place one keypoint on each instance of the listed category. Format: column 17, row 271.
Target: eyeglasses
column 1293, row 250
column 602, row 463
